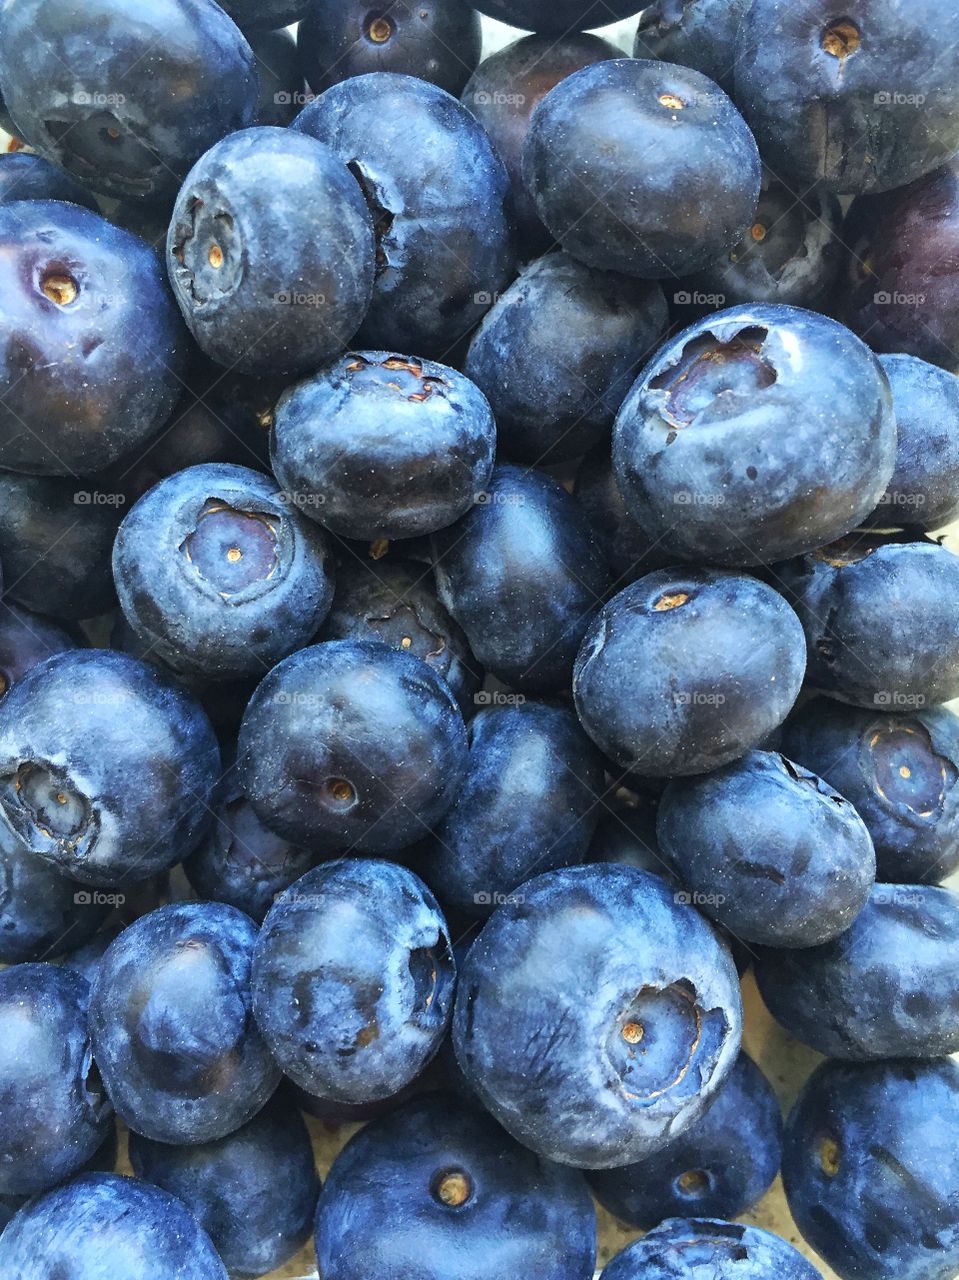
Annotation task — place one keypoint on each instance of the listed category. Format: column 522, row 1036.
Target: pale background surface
column 786, row 1063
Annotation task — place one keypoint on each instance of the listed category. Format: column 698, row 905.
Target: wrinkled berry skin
column 380, row 445
column 26, row 176
column 586, row 161
column 788, row 861
column 695, row 33
column 171, row 1020
column 436, row 40
column 860, row 99
column 55, row 545
column 886, row 988
column 150, row 1233
column 282, row 88
column 92, row 351
column 26, row 639
column 557, row 353
column 436, row 1191
column 507, row 87
column 924, row 490
column 263, row 293
column 755, row 434
column 353, row 979
column 707, row 1249
column 881, row 621
column 42, row 913
column 791, row 255
column 900, row 289
column 107, row 769
column 125, row 99
column 529, row 803
column 629, row 552
column 352, row 745
column 54, row 1113
column 687, row 670
column 721, row 1166
column 253, row 1192
column 220, row 574
column 900, row 770
column 558, row 17
column 240, row 861
column 522, row 575
column 438, row 194
column 559, row 989
column 871, row 1168
column 265, row 15
column 394, row 602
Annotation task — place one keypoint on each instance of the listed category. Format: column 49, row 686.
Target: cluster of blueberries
column 471, row 592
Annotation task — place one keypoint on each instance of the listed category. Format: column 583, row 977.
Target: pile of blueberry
column 474, row 586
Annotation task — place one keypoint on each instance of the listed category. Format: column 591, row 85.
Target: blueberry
column 687, row 670
column 395, row 602
column 54, row 1113
column 86, row 959
column 886, row 988
column 506, row 88
column 770, row 850
column 438, row 195
column 595, row 1017
column 351, row 745
column 266, row 15
column 900, row 286
column 924, row 490
column 198, row 432
column 522, row 575
column 103, row 1227
column 106, row 769
column 629, row 552
column 628, row 836
column 900, row 770
column 380, row 445
column 25, row 176
column 56, row 538
column 171, row 1020
column 253, row 1192
column 220, row 574
column 353, row 979
column 270, row 253
column 282, row 90
column 240, row 861
column 42, row 914
column 127, row 110
column 707, row 1249
column 587, row 162
column 871, row 1169
column 721, row 1166
column 792, row 253
column 93, row 349
column 437, row 40
column 859, row 100
column 755, row 434
column 558, row 352
column 437, row 1191
column 881, row 620
column 529, row 803
column 703, row 34
column 26, row 639
column 558, row 17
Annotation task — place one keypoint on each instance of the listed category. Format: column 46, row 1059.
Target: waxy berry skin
column 560, row 991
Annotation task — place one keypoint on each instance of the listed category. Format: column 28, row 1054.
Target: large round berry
column 596, row 1016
